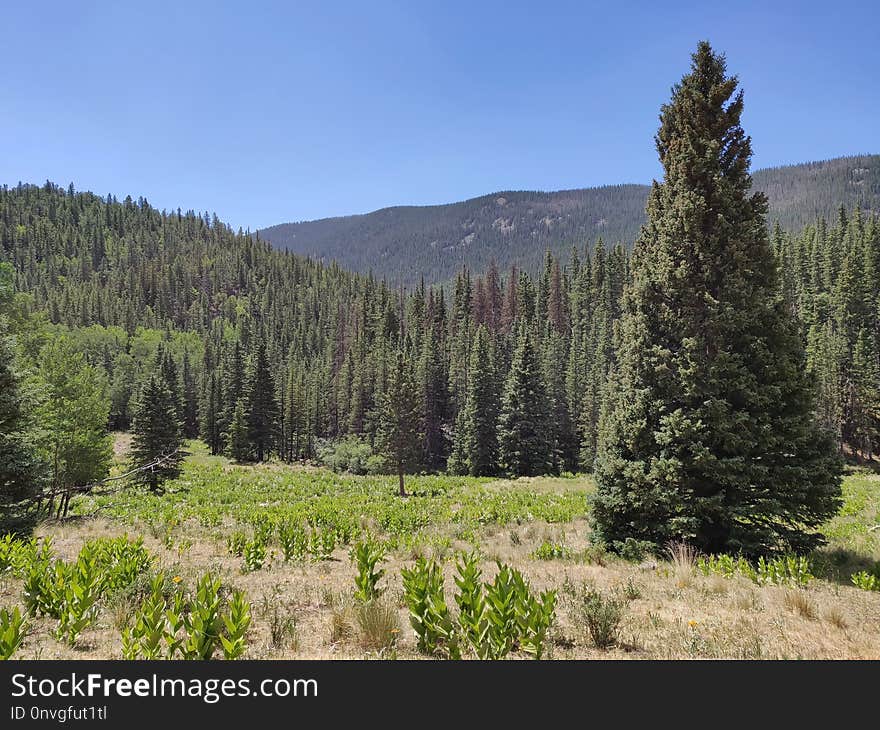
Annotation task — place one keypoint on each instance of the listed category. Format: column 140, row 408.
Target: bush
column 350, row 454
column 602, row 616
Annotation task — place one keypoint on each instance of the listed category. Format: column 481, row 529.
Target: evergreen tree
column 524, row 438
column 239, row 437
column 157, row 434
column 709, row 436
column 399, row 437
column 262, row 408
column 435, row 402
column 190, row 401
column 478, row 453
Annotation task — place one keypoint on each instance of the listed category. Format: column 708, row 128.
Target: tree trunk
column 400, row 477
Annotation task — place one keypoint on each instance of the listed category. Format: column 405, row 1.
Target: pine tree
column 262, row 408
column 708, row 436
column 157, row 434
column 239, row 438
column 190, row 401
column 435, row 402
column 399, row 437
column 479, row 438
column 524, row 438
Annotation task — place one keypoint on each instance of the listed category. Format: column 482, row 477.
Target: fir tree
column 156, row 434
column 709, row 435
column 399, row 437
column 239, row 438
column 525, row 441
column 479, row 438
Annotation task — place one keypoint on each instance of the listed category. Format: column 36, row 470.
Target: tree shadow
column 19, row 520
column 838, row 565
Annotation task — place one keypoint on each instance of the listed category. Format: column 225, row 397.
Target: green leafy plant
column 429, row 614
column 534, row 616
column 472, row 605
column 236, row 543
column 501, row 601
column 202, row 622
column 144, row 639
column 254, row 555
column 866, row 581
column 367, row 555
column 548, row 550
column 43, row 589
column 293, row 541
column 13, row 629
column 236, row 621
column 80, row 593
column 118, row 561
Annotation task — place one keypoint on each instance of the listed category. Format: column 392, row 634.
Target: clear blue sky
column 273, row 112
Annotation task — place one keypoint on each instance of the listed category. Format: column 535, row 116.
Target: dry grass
column 684, row 560
column 378, row 625
column 799, row 602
column 835, row 616
column 305, row 611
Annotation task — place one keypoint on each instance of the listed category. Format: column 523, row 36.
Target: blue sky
column 272, row 112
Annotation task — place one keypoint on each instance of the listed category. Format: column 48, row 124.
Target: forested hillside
column 406, row 243
column 266, row 353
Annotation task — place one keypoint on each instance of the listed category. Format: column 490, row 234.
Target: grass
column 303, row 608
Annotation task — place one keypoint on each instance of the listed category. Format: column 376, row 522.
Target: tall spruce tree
column 480, row 415
column 399, row 437
column 262, row 409
column 708, row 435
column 524, row 437
column 157, row 434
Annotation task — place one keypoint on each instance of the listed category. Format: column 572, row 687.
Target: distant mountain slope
column 406, row 242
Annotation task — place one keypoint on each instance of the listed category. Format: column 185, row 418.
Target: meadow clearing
column 283, row 536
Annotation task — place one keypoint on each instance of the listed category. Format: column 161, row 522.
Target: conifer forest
column 690, row 410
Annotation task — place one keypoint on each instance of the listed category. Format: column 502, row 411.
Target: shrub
column 602, row 616
column 350, row 454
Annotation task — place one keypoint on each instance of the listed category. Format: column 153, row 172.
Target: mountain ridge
column 516, row 227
